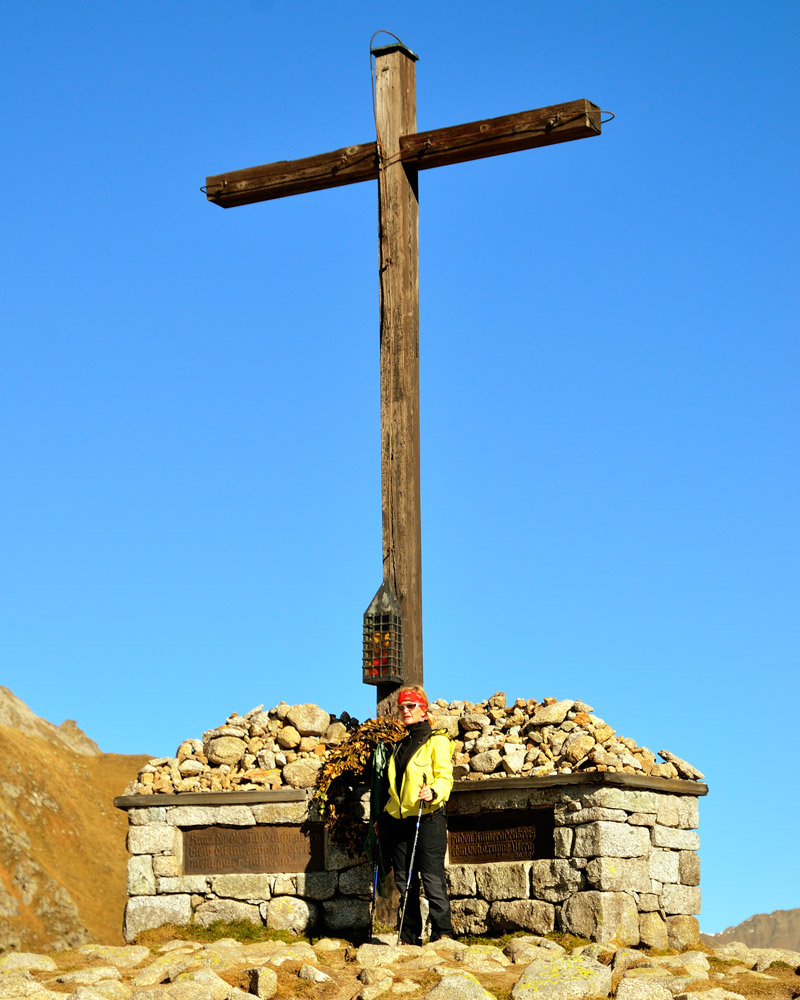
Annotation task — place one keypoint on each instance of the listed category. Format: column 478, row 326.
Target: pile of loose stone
column 447, row 970
column 286, row 746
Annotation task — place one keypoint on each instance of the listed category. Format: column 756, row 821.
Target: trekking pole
column 411, row 865
column 374, row 899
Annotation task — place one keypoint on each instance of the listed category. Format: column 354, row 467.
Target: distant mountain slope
column 62, row 842
column 780, row 929
column 16, row 714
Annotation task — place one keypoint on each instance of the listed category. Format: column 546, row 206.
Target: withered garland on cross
column 395, row 160
column 347, row 766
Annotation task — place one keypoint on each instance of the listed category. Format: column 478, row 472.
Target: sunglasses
column 411, row 703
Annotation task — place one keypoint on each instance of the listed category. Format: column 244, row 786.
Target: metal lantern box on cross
column 394, row 160
column 383, row 639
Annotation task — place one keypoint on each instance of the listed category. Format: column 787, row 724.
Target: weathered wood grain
column 398, row 236
column 419, row 150
column 287, row 177
column 495, row 136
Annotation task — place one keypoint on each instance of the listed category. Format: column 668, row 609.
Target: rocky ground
column 522, row 968
column 286, row 746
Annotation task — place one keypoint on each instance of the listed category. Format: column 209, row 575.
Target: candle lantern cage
column 383, row 639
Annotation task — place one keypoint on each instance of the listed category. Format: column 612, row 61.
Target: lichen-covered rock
column 576, row 746
column 513, row 758
column 89, row 977
column 449, row 723
column 120, row 957
column 210, row 816
column 287, row 913
column 262, row 982
column 28, row 960
column 151, row 840
column 663, row 866
column 563, row 979
column 532, row 948
column 619, row 874
column 605, row 917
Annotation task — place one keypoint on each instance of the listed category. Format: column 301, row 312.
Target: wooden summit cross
column 394, row 161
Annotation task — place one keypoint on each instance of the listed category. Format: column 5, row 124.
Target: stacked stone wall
column 624, row 866
column 159, row 893
column 624, row 871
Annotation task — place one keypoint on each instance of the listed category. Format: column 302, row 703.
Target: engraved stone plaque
column 222, row 850
column 503, row 835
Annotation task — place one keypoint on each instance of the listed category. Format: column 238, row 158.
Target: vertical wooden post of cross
column 394, row 160
column 398, row 214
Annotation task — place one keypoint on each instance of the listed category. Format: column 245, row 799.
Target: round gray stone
column 486, row 762
column 226, row 750
column 287, row 913
column 308, row 720
column 301, row 773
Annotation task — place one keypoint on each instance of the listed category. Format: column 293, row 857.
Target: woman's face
column 412, row 711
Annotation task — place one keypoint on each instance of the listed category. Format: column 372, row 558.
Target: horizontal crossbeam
column 421, row 151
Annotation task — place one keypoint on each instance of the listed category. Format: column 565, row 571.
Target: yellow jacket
column 433, row 760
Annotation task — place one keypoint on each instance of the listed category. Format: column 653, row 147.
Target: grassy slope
column 63, row 803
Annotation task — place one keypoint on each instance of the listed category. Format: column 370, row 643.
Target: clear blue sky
column 190, row 511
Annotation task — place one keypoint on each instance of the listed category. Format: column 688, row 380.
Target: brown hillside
column 780, row 929
column 62, row 842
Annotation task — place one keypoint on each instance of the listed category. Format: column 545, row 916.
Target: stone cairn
column 287, row 745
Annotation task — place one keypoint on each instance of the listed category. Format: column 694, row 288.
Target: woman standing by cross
column 420, row 775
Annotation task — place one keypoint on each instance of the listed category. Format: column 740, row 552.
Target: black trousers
column 428, row 869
